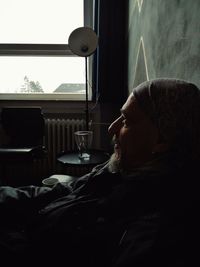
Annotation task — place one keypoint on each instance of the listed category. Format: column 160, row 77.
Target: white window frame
column 61, row 50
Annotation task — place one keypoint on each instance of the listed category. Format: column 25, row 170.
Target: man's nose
column 115, row 126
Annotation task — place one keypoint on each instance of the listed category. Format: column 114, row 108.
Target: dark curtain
column 110, row 78
column 110, row 63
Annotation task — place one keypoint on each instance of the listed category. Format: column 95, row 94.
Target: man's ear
column 160, row 148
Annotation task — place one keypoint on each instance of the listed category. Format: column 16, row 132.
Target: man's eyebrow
column 127, row 116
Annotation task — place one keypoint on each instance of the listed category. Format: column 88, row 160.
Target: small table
column 82, row 166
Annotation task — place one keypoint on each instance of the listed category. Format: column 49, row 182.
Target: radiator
column 59, row 138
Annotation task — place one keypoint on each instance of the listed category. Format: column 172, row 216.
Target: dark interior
column 139, row 40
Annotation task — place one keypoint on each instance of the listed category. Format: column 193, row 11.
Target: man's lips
column 116, row 143
column 117, row 151
column 116, row 146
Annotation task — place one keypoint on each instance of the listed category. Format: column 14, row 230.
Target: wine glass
column 84, row 141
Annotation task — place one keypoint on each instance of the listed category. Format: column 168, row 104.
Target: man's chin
column 114, row 163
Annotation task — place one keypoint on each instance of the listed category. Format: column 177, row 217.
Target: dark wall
column 164, row 40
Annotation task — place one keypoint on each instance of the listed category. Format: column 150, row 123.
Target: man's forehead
column 129, row 105
column 131, row 109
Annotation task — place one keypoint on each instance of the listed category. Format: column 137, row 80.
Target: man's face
column 134, row 136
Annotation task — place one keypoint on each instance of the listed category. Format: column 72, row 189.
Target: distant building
column 70, row 88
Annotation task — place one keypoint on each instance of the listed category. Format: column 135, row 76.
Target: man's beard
column 114, row 164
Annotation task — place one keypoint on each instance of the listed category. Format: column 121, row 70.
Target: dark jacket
column 101, row 219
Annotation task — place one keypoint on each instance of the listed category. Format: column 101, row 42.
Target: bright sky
column 49, row 71
column 39, row 21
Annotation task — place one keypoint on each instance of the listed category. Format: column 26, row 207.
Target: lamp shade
column 83, row 41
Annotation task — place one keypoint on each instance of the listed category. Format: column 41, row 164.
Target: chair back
column 25, row 126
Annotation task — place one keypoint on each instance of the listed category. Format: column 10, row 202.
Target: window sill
column 52, row 106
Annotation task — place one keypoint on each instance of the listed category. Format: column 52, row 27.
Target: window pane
column 49, row 75
column 39, row 21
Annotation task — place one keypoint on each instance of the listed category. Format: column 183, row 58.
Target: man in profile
column 130, row 210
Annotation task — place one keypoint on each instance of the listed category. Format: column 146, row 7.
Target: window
column 35, row 59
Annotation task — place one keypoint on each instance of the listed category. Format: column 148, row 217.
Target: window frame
column 59, row 50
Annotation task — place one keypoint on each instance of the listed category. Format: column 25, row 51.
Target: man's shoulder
column 97, row 170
